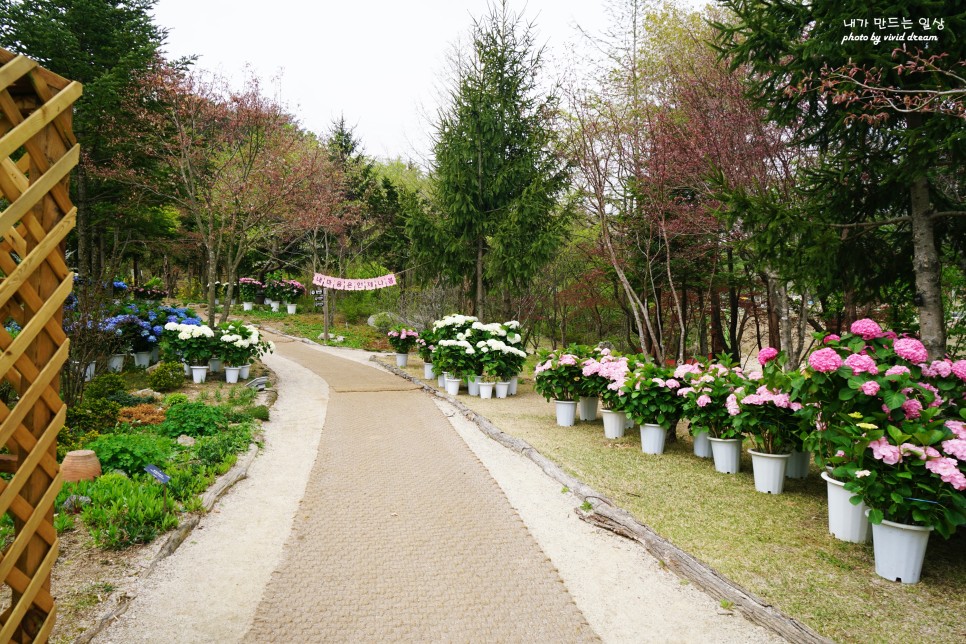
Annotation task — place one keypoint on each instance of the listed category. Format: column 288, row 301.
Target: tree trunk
column 479, row 279
column 926, row 265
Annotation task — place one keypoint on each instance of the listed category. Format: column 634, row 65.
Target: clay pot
column 80, row 465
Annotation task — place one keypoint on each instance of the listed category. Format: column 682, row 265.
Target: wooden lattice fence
column 37, row 152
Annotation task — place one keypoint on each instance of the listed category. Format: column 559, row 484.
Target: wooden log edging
column 606, row 514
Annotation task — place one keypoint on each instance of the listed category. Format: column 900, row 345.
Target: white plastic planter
column 291, row 308
column 652, row 438
column 846, row 522
column 702, row 447
column 502, row 389
column 473, row 385
column 428, row 370
column 486, row 390
column 248, row 306
column 900, row 550
column 115, row 364
column 231, row 374
column 769, row 470
column 513, row 386
column 245, row 371
column 453, row 386
column 727, row 454
column 613, row 423
column 798, row 464
column 402, row 360
column 566, row 412
column 588, row 408
column 198, row 374
column 142, row 359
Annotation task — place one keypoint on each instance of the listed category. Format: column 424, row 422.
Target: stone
column 74, row 503
column 146, row 393
column 185, row 441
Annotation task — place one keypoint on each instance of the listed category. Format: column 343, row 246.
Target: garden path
column 295, row 553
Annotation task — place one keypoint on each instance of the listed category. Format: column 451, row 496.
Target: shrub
column 188, row 480
column 144, row 414
column 174, row 399
column 167, row 376
column 104, row 386
column 94, row 415
column 213, row 450
column 194, row 419
column 131, row 452
column 124, row 511
column 125, row 399
column 70, row 439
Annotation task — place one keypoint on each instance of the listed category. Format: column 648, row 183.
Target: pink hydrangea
column 891, row 335
column 684, row 391
column 568, row 360
column 937, row 400
column 948, row 470
column 912, row 407
column 540, row 368
column 956, row 447
column 731, row 404
column 767, row 354
column 869, row 388
column 825, row 360
column 840, row 454
column 897, row 370
column 938, row 369
column 672, row 383
column 795, row 406
column 910, row 349
column 683, row 370
column 861, row 364
column 957, row 427
column 831, row 337
column 867, row 328
column 885, row 451
column 753, row 399
column 908, row 449
column 959, row 369
column 703, row 400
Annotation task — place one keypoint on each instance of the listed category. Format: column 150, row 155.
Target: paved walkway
column 402, row 535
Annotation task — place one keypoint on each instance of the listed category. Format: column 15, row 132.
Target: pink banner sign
column 342, row 284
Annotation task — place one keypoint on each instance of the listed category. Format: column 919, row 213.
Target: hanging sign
column 342, row 284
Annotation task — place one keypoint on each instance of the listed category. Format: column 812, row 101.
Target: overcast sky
column 377, row 62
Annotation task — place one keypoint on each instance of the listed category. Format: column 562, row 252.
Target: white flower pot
column 268, row 301
column 769, row 470
column 846, row 522
column 900, row 549
column 248, row 306
column 588, row 408
column 566, row 412
column 115, row 364
column 502, row 389
column 652, row 438
column 513, row 386
column 613, row 423
column 215, row 365
column 187, row 369
column 142, row 359
column 727, row 454
column 275, row 307
column 473, row 385
column 89, row 371
column 798, row 463
column 628, row 422
column 428, row 370
column 198, row 374
column 291, row 308
column 245, row 370
column 486, row 390
column 702, row 448
column 231, row 374
column 453, row 386
column 402, row 360
column 441, row 381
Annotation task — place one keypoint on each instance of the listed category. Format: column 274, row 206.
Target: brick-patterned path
column 402, row 534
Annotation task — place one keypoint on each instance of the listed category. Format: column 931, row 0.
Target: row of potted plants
column 232, row 344
column 869, row 405
column 274, row 292
column 460, row 348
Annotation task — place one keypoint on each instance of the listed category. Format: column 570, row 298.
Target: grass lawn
column 776, row 547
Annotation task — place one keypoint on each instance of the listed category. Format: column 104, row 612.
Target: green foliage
column 104, row 386
column 174, row 399
column 95, row 415
column 70, row 439
column 213, row 450
column 167, row 376
column 130, row 452
column 125, row 399
column 124, row 512
column 194, row 419
column 63, row 522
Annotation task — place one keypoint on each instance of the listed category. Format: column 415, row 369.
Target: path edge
column 606, row 514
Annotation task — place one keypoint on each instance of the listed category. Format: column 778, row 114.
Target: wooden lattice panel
column 37, row 152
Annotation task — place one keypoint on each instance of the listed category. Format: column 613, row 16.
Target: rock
column 74, row 503
column 185, row 440
column 384, row 320
column 146, row 393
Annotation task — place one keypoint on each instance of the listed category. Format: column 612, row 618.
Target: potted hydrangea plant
column 709, row 399
column 249, row 288
column 604, row 375
column 651, row 400
column 402, row 339
column 557, row 377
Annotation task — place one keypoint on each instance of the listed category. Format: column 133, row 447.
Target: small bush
column 188, row 480
column 103, row 386
column 174, row 399
column 213, row 450
column 95, row 415
column 124, row 511
column 125, row 399
column 131, row 452
column 70, row 439
column 259, row 412
column 194, row 419
column 145, row 414
column 167, row 376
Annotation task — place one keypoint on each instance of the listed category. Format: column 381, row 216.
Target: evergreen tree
column 498, row 180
